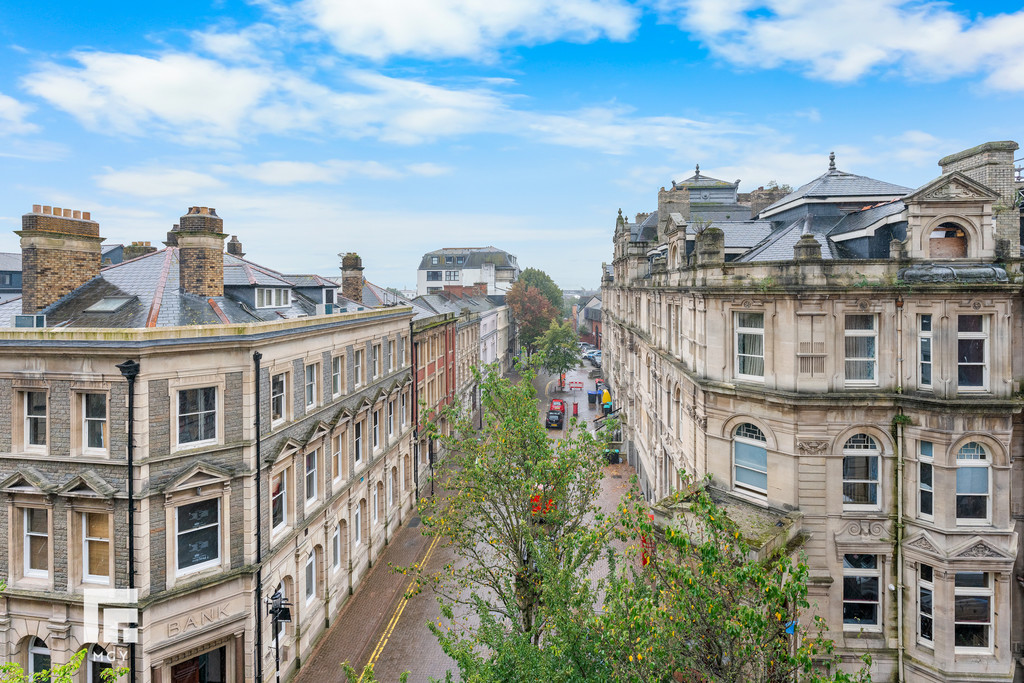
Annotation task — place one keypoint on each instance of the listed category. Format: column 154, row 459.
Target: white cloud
column 843, row 42
column 471, row 29
column 12, row 117
column 331, row 171
column 157, row 182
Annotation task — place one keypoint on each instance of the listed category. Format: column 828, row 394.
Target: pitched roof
column 858, row 220
column 834, row 184
column 9, row 261
column 778, row 246
column 474, row 257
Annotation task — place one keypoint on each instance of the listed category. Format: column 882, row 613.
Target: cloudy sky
column 392, row 128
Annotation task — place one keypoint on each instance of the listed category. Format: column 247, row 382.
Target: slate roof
column 475, row 257
column 859, row 220
column 152, row 286
column 741, row 234
column 778, row 246
column 9, row 261
column 698, row 180
column 836, row 183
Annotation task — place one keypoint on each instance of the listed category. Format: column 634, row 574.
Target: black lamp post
column 130, row 370
column 281, row 613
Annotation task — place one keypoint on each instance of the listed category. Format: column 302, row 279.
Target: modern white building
column 467, row 270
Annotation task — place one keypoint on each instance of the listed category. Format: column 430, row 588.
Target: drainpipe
column 901, row 444
column 256, row 357
column 130, row 370
column 415, row 415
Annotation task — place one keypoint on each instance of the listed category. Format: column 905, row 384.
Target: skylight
column 108, row 304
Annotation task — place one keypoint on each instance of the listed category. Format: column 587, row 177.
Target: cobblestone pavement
column 377, row 622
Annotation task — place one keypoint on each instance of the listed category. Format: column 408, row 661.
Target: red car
column 557, row 404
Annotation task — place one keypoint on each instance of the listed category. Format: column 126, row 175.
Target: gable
column 952, row 187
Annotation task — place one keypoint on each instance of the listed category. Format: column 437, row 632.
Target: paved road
column 379, row 624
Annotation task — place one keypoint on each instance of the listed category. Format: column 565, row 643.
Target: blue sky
column 394, row 128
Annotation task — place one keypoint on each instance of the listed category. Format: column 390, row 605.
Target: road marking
column 393, row 622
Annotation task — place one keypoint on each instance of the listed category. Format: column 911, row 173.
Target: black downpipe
column 415, row 415
column 256, row 356
column 130, row 370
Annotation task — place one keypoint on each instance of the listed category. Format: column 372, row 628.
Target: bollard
column 575, row 409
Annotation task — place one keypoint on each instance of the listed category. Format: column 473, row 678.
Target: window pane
column 860, row 588
column 860, row 561
column 972, row 608
column 926, row 448
column 750, row 320
column 39, row 555
column 971, row 580
column 860, row 322
column 860, row 613
column 860, row 493
column 198, row 515
column 188, row 401
column 99, row 558
column 97, row 525
column 972, row 480
column 96, row 406
column 860, row 467
column 36, row 403
column 972, row 507
column 970, row 350
column 94, row 434
column 209, row 398
column 860, row 369
column 754, row 457
column 860, row 347
column 970, row 323
column 926, row 323
column 970, row 636
column 37, row 521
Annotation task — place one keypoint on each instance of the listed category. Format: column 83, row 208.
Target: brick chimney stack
column 137, row 249
column 352, row 276
column 60, row 251
column 235, row 247
column 200, row 239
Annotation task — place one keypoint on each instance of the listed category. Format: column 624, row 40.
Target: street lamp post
column 130, row 370
column 281, row 613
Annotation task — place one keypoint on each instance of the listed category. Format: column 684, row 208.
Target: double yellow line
column 393, row 622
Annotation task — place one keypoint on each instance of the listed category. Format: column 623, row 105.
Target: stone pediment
column 979, row 548
column 320, row 430
column 952, row 187
column 27, row 479
column 88, row 483
column 288, row 448
column 200, row 474
column 924, row 544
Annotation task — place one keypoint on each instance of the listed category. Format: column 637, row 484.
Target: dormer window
column 948, row 241
column 273, row 297
column 328, row 296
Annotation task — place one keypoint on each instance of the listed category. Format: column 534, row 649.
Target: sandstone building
column 334, row 472
column 845, row 360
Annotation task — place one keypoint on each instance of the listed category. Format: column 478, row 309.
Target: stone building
column 332, row 472
column 843, row 363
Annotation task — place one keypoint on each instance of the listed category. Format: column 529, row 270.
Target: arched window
column 97, row 662
column 972, row 483
column 860, row 472
column 378, row 500
column 38, row 657
column 750, row 459
column 948, row 241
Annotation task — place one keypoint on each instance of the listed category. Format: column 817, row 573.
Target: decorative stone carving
column 702, row 422
column 863, row 304
column 952, row 190
column 923, row 544
column 812, row 447
column 979, row 549
column 747, row 303
column 866, row 527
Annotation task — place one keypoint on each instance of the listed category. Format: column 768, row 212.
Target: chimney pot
column 56, row 211
column 37, row 208
column 67, row 213
column 77, row 214
column 47, row 211
column 86, row 216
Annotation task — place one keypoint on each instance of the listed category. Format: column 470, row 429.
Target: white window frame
column 86, row 420
column 336, row 548
column 391, row 417
column 376, row 430
column 391, row 487
column 309, row 576
column 375, row 516
column 376, row 361
column 863, row 446
column 965, row 462
column 876, row 574
column 337, row 443
column 925, row 585
column 201, row 412
column 357, row 455
column 45, row 418
column 27, row 536
column 215, row 562
column 983, row 335
column 273, row 297
column 873, row 359
column 34, row 649
column 310, row 477
column 358, row 378
column 987, row 591
column 925, row 350
column 391, row 355
column 86, row 538
column 404, row 411
column 310, row 387
column 97, row 656
column 762, row 443
column 282, row 476
column 925, row 464
column 281, row 397
column 336, row 370
column 358, row 526
column 740, row 332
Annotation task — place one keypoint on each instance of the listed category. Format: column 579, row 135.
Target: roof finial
column 831, row 161
column 620, row 213
column 697, row 175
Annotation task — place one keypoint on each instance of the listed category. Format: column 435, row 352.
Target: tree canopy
column 534, row 277
column 532, row 311
column 558, row 348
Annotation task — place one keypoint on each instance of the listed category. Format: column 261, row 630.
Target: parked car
column 557, row 404
column 555, row 419
column 595, row 359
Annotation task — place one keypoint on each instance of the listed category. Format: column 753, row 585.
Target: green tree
column 533, row 312
column 520, row 512
column 559, row 351
column 534, row 277
column 702, row 610
column 62, row 673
